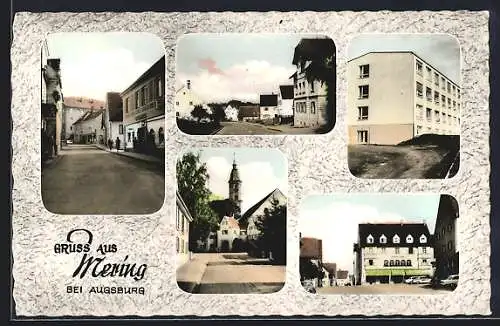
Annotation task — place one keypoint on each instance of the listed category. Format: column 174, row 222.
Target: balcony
column 151, row 106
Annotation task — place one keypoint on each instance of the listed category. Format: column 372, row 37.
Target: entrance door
column 142, row 134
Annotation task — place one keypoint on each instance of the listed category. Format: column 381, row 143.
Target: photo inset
column 255, row 84
column 231, row 220
column 404, row 105
column 103, row 141
column 379, row 244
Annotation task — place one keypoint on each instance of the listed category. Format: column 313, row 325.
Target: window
column 177, row 244
column 136, row 100
column 177, row 103
column 190, row 102
column 419, row 67
column 436, row 79
column 396, row 250
column 448, row 87
column 395, row 239
column 443, row 84
column 143, row 96
column 160, row 88
column 408, row 262
column 386, row 263
column 363, row 91
column 450, row 245
column 403, row 263
column 383, row 249
column 449, row 103
column 428, row 94
column 391, row 263
column 362, row 112
column 444, row 117
column 364, row 71
column 420, row 89
column 313, row 107
column 443, row 101
column 428, row 114
column 429, row 73
column 420, row 112
column 436, row 97
column 410, row 250
column 419, row 130
column 453, row 90
column 397, row 263
column 370, row 262
column 383, row 239
column 423, row 239
column 312, row 86
column 409, row 238
column 369, row 239
column 370, row 250
column 458, row 93
column 449, row 227
column 362, row 136
column 436, row 116
column 424, row 261
column 224, row 231
column 424, row 250
column 120, row 129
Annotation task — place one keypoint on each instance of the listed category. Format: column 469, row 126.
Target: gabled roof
column 158, row 66
column 311, row 49
column 244, row 218
column 331, row 268
column 89, row 115
column 286, row 92
column 115, row 106
column 83, row 102
column 389, row 230
column 183, row 207
column 269, row 100
column 311, row 248
column 231, row 221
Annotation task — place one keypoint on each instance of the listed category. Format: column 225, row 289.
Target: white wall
column 185, row 101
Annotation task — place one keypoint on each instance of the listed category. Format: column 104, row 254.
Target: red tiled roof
column 232, row 222
column 311, row 248
column 83, row 102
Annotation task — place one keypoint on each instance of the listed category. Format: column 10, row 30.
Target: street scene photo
column 255, row 84
column 379, row 244
column 404, row 103
column 102, row 123
column 231, row 220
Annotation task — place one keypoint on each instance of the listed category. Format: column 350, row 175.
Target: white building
column 74, row 108
column 114, row 119
column 231, row 113
column 310, row 96
column 390, row 253
column 185, row 101
column 183, row 218
column 395, row 96
column 268, row 106
column 229, row 230
column 90, row 128
column 144, row 108
column 285, row 101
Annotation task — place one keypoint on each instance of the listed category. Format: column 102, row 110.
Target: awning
column 397, row 272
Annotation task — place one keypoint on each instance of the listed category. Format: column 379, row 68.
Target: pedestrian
column 117, row 142
column 110, row 144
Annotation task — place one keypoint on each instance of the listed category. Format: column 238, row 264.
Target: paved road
column 238, row 273
column 245, row 128
column 87, row 180
column 381, row 289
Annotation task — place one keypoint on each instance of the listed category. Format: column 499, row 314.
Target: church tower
column 235, row 186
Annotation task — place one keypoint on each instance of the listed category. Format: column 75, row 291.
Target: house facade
column 74, row 108
column 445, row 235
column 144, row 108
column 395, row 96
column 90, row 128
column 268, row 107
column 231, row 113
column 249, row 113
column 285, row 101
column 114, row 119
column 311, row 260
column 185, row 101
column 310, row 96
column 389, row 253
column 52, row 105
column 183, row 218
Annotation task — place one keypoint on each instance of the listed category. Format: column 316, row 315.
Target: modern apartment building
column 391, row 252
column 395, row 96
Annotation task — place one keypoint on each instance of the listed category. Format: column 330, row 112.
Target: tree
column 192, row 178
column 321, row 53
column 219, row 113
column 272, row 227
column 199, row 112
column 224, row 207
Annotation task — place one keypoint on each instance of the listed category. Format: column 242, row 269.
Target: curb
column 51, row 162
column 159, row 162
column 274, row 129
column 216, row 131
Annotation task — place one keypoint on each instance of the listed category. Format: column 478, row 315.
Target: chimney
column 188, row 83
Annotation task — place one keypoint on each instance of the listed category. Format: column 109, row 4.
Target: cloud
column 257, row 179
column 337, row 224
column 99, row 72
column 245, row 81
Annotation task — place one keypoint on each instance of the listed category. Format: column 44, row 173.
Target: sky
column 222, row 67
column 442, row 51
column 261, row 171
column 335, row 218
column 93, row 64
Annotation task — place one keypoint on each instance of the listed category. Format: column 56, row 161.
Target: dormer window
column 383, row 239
column 395, row 239
column 369, row 239
column 423, row 239
column 409, row 239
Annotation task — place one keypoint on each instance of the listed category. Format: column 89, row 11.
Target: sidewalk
column 288, row 129
column 138, row 156
column 190, row 274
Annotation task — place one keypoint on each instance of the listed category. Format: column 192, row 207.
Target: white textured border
column 317, row 164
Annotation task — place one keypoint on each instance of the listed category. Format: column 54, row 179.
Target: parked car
column 424, row 280
column 451, row 281
column 309, row 286
column 69, row 141
column 411, row 279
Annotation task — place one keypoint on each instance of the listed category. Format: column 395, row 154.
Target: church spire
column 235, row 184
